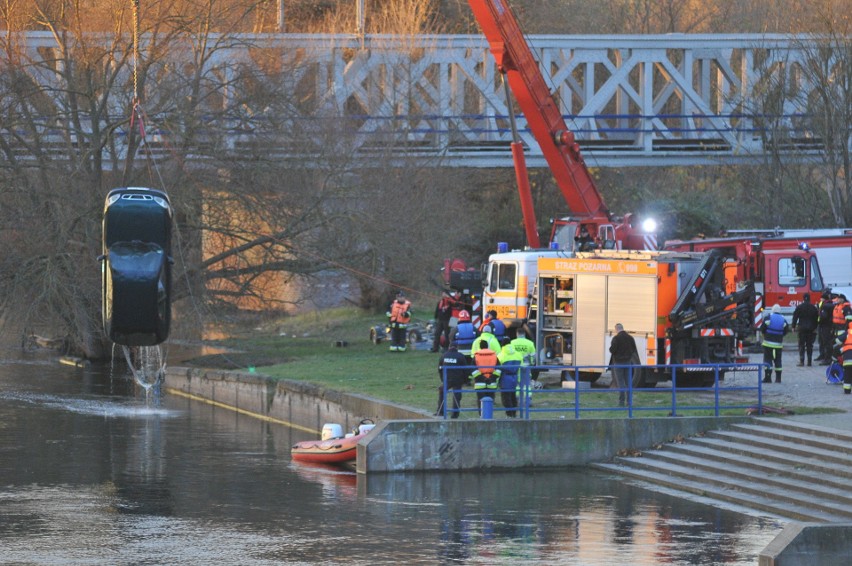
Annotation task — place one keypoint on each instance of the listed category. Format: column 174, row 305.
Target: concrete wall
column 299, row 404
column 464, row 445
column 805, row 544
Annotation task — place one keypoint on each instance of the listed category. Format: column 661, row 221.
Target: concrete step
column 688, row 488
column 774, row 466
column 790, row 424
column 783, row 494
column 807, row 471
column 790, row 448
column 836, row 443
column 752, row 476
column 820, row 467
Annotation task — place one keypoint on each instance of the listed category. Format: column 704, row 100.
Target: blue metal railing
column 724, row 396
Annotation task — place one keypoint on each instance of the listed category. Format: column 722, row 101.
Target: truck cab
column 510, row 280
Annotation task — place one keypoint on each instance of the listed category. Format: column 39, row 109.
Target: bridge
column 631, row 100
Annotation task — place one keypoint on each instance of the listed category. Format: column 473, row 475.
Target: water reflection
column 90, row 473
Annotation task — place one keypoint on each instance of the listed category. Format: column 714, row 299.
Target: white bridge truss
column 630, row 100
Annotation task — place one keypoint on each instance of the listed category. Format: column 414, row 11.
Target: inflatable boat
column 333, row 448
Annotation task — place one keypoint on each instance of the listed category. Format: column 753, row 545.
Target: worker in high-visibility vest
column 774, row 329
column 510, row 366
column 529, row 377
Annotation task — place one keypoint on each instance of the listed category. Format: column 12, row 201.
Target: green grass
column 304, row 348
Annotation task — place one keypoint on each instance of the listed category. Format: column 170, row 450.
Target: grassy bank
column 333, row 348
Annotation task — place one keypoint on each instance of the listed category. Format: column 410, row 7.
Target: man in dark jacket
column 623, row 350
column 805, row 319
column 825, row 329
column 452, row 364
column 443, row 314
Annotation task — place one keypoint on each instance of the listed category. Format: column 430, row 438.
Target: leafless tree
column 246, row 218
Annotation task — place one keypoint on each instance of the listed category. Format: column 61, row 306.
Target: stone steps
column 773, row 466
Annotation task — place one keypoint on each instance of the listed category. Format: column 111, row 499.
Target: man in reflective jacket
column 774, row 329
column 510, row 362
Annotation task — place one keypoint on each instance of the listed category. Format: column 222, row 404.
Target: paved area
column 804, row 386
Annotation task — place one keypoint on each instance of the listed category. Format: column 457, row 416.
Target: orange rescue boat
column 333, row 447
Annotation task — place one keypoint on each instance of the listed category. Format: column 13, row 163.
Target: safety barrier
column 748, row 396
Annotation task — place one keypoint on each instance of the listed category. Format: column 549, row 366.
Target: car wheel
column 414, row 337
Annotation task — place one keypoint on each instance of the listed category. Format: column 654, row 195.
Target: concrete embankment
column 502, row 444
column 301, row 405
column 805, row 544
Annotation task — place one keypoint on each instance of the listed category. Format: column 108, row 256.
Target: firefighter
column 824, row 328
column 774, row 329
column 399, row 315
column 583, row 241
column 510, row 362
column 805, row 319
column 443, row 314
column 841, row 315
column 845, row 340
column 454, row 364
column 464, row 334
column 486, row 374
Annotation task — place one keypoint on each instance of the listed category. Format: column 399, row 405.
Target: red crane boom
column 562, row 153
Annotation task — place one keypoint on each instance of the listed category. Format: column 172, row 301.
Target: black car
column 136, row 266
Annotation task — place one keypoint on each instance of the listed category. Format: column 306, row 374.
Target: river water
column 92, row 472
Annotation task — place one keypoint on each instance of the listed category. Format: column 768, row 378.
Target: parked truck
column 673, row 304
column 782, row 270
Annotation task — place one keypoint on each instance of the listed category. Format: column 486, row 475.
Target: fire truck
column 782, row 269
column 673, row 304
column 833, row 248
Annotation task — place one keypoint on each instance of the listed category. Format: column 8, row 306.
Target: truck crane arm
column 515, row 59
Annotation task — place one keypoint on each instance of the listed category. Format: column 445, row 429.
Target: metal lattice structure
column 631, row 100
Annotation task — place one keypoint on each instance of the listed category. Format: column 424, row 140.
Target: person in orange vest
column 842, row 315
column 399, row 315
column 486, row 375
column 845, row 341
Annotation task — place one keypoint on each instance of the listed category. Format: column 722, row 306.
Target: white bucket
column 365, row 428
column 331, row 430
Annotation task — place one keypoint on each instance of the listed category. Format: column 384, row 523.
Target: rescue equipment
column 332, row 448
